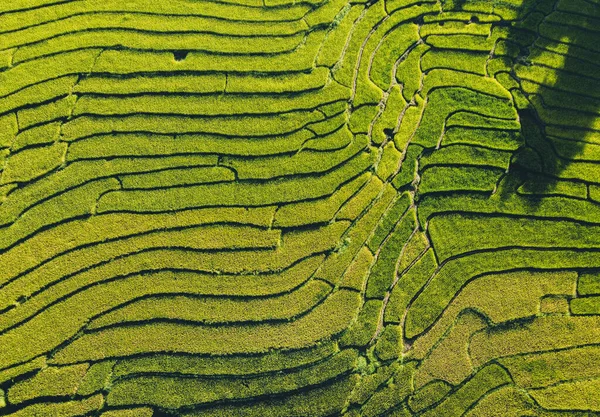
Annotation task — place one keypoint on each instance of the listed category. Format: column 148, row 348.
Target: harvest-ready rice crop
column 299, row 208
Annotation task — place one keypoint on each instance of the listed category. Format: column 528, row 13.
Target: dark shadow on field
column 539, row 163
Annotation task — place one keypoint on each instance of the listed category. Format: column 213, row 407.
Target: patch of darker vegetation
column 180, row 55
column 389, row 133
column 163, row 413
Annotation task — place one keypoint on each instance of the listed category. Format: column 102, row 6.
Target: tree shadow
column 558, row 112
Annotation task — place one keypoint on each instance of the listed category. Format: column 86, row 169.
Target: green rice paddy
column 299, row 208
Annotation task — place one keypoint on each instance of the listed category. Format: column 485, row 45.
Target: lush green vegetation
column 300, row 208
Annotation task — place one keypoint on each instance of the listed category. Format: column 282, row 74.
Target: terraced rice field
column 300, row 208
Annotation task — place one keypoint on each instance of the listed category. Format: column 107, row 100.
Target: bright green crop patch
column 166, row 391
column 299, row 208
